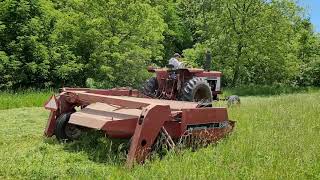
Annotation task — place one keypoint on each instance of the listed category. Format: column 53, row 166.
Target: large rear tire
column 150, row 87
column 197, row 89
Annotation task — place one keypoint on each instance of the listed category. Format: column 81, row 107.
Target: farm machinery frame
column 124, row 113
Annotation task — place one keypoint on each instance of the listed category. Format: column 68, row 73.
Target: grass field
column 36, row 98
column 276, row 137
column 29, row 98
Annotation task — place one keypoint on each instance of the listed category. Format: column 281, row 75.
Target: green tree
column 54, row 43
column 112, row 42
column 24, row 33
column 252, row 41
column 62, row 43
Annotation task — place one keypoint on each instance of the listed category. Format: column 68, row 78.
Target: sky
column 313, row 10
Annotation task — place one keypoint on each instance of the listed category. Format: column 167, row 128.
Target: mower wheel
column 197, row 89
column 150, row 87
column 64, row 130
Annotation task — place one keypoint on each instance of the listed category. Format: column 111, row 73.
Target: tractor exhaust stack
column 208, row 60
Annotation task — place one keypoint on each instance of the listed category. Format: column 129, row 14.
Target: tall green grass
column 36, row 98
column 254, row 90
column 276, row 137
column 27, row 98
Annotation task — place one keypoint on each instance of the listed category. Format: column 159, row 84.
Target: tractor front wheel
column 64, row 130
column 197, row 89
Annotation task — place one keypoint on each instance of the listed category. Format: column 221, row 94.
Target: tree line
column 54, row 43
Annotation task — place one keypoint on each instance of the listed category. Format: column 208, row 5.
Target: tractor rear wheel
column 64, row 130
column 150, row 87
column 197, row 89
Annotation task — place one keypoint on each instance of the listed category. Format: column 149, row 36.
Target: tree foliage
column 54, row 43
column 66, row 42
column 253, row 42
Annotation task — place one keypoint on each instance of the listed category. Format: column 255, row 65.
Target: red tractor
column 188, row 84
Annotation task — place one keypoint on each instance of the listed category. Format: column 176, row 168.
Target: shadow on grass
column 101, row 149
column 267, row 90
column 97, row 147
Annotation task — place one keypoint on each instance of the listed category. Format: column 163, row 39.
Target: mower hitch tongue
column 126, row 113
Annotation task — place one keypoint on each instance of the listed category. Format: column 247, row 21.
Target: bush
column 310, row 73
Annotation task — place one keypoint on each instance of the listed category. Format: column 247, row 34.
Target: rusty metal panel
column 132, row 112
column 87, row 120
column 121, row 128
column 111, row 100
column 114, row 91
column 203, row 116
column 174, row 105
column 51, row 123
column 147, row 129
column 101, row 106
column 51, row 104
column 128, row 102
column 112, row 111
column 96, row 115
